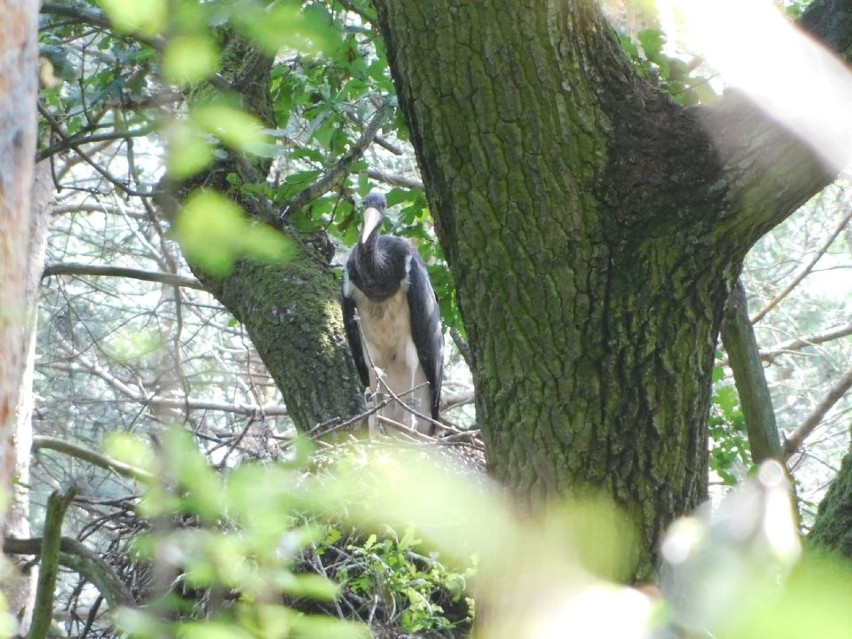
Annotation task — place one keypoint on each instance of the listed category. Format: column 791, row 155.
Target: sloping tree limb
column 769, row 354
column 794, row 441
column 741, row 346
column 119, row 271
column 57, row 504
column 343, row 166
column 125, row 470
column 76, row 556
column 806, row 270
column 394, row 180
column 70, row 142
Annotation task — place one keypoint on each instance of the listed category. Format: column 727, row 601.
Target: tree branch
column 77, row 557
column 333, row 175
column 774, row 162
column 804, row 272
column 794, row 441
column 741, row 346
column 394, row 180
column 94, row 18
column 269, row 410
column 125, row 470
column 57, row 129
column 767, row 355
column 120, row 271
column 70, row 142
column 57, row 504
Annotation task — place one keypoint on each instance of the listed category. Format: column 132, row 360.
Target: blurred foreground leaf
column 214, row 233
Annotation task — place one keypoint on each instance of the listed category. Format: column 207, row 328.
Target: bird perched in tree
column 392, row 321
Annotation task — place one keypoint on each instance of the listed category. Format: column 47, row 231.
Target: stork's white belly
column 386, row 332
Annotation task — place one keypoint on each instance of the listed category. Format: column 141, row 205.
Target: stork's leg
column 411, row 399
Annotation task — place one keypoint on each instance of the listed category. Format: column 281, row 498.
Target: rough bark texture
column 18, row 85
column 832, row 529
column 19, row 589
column 594, row 229
column 290, row 311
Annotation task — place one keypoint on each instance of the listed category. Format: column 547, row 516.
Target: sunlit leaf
column 190, row 150
column 234, row 127
column 213, row 232
column 146, row 17
column 310, row 586
column 132, row 450
column 211, row 630
column 190, row 58
column 313, row 626
column 285, row 24
column 130, row 346
column 813, row 603
column 203, row 493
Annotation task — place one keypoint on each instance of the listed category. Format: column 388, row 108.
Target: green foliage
column 214, row 233
column 814, row 602
column 729, row 450
column 671, row 73
column 254, row 534
column 395, row 571
column 144, row 17
column 235, row 533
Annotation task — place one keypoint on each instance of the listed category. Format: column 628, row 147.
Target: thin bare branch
column 335, row 173
column 57, row 129
column 76, row 556
column 805, row 271
column 394, row 180
column 70, row 142
column 794, row 441
column 119, row 271
column 90, row 456
column 768, row 355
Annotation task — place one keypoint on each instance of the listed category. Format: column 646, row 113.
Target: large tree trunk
column 290, row 311
column 18, row 87
column 832, row 529
column 594, row 229
column 19, row 589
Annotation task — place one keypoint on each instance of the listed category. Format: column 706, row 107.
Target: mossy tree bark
column 594, row 229
column 832, row 530
column 290, row 311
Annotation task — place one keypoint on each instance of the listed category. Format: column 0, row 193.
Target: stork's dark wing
column 426, row 328
column 353, row 333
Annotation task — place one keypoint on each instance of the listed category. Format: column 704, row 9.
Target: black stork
column 386, row 289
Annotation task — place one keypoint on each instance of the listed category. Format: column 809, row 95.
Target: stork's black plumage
column 386, row 281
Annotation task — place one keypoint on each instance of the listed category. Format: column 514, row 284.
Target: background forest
column 195, row 410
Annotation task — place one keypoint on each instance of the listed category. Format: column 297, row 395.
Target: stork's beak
column 372, row 220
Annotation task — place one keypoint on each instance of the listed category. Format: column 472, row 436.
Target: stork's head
column 374, row 214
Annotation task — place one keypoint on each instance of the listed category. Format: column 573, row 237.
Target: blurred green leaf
column 211, row 630
column 188, row 59
column 287, row 24
column 132, row 450
column 814, row 602
column 213, row 232
column 190, row 149
column 233, row 126
column 145, row 17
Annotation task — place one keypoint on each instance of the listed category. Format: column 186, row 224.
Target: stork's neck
column 367, row 252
